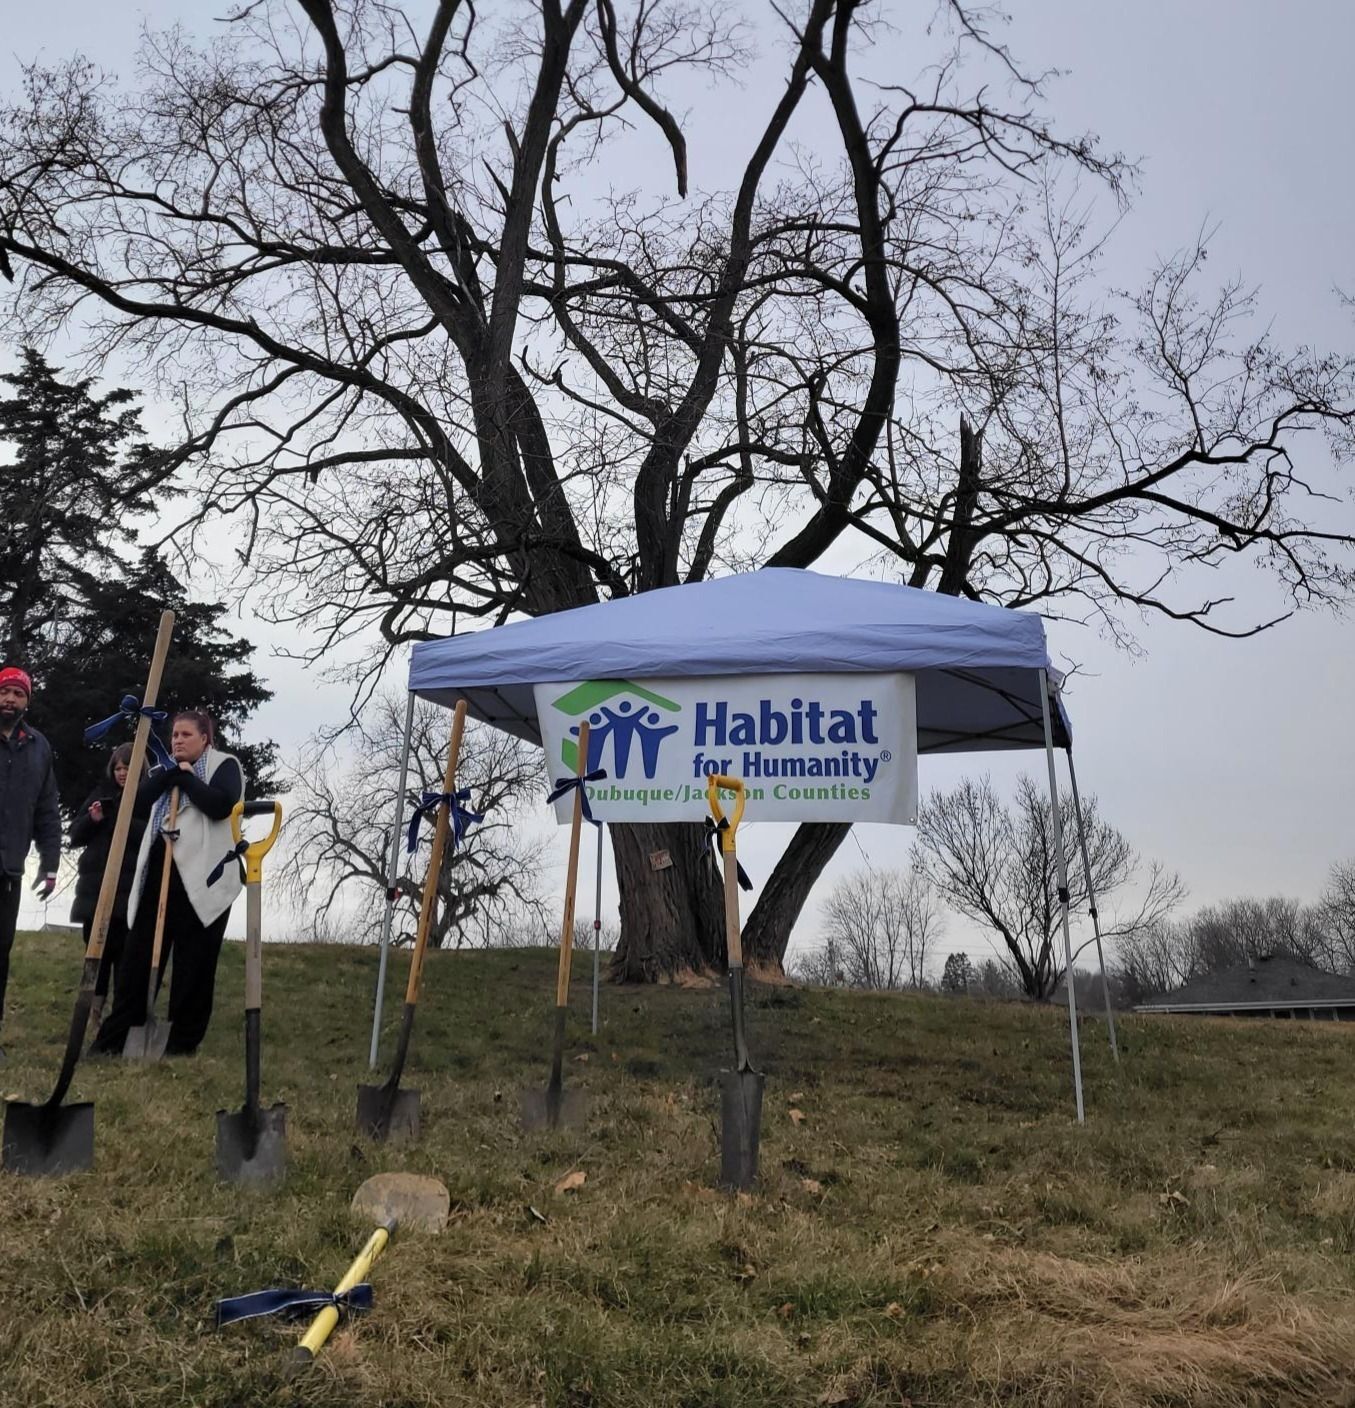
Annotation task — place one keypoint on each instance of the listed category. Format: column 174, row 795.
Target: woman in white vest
column 209, row 783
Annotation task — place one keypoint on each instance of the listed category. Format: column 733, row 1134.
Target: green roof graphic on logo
column 586, row 697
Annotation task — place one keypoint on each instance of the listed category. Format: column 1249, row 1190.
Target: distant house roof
column 1271, row 982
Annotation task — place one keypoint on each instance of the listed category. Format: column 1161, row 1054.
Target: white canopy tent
column 983, row 676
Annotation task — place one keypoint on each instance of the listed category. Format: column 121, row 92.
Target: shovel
column 48, row 1140
column 148, row 1042
column 393, row 1201
column 741, row 1088
column 386, row 1111
column 555, row 1106
column 251, row 1143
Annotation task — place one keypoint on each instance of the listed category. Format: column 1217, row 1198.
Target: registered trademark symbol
column 885, row 755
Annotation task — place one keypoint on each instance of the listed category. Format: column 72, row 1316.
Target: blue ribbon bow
column 236, row 854
column 713, row 841
column 566, row 784
column 131, row 710
column 290, row 1303
column 462, row 819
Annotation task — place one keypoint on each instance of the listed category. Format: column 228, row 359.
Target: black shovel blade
column 384, row 1114
column 553, row 1108
column 48, row 1141
column 740, row 1126
column 251, row 1145
column 146, row 1043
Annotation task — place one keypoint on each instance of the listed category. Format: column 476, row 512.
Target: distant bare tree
column 881, row 926
column 997, row 866
column 992, row 979
column 820, row 966
column 1335, row 918
column 1162, row 957
column 338, row 831
column 1157, row 958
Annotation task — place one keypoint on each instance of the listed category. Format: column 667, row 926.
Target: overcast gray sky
column 1232, row 761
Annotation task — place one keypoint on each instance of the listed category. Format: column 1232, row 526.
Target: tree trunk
column 767, row 932
column 672, row 920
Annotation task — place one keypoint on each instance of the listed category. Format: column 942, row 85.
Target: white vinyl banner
column 807, row 747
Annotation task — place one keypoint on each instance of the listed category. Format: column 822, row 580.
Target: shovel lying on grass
column 741, row 1088
column 556, row 1106
column 386, row 1111
column 148, row 1041
column 403, row 1201
column 251, row 1143
column 51, row 1139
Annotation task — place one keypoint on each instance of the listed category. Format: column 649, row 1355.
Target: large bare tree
column 444, row 368
column 997, row 865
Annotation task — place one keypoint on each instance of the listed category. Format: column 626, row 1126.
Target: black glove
column 43, row 886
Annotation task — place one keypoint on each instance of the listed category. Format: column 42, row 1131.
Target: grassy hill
column 934, row 1230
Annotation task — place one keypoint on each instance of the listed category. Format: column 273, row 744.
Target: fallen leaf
column 540, row 1216
column 796, row 1116
column 744, row 1199
column 582, row 1056
column 811, row 1185
column 785, row 1311
column 699, row 1190
column 571, row 1182
column 894, row 1310
column 833, row 1395
column 797, row 1095
column 746, row 1272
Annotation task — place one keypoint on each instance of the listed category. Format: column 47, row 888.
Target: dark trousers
column 114, row 944
column 195, row 947
column 11, row 892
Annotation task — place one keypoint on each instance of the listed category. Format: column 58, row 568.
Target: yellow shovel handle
column 731, row 784
column 323, row 1324
column 257, row 849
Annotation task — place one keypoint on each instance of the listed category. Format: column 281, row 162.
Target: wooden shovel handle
column 571, row 878
column 117, row 848
column 157, row 945
column 430, row 884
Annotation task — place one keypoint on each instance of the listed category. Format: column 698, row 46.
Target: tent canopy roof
column 977, row 666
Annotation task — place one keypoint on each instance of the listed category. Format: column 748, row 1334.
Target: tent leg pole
column 1091, row 907
column 392, row 871
column 597, row 932
column 1062, row 863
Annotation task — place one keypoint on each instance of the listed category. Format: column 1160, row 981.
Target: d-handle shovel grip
column 730, row 784
column 260, row 848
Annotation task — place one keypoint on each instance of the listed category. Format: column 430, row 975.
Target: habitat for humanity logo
column 625, row 719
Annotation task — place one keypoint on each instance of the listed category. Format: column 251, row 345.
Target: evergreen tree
column 958, row 973
column 76, row 479
column 79, row 605
column 103, row 655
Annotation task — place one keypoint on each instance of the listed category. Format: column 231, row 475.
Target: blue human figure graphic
column 597, row 739
column 650, row 738
column 621, row 727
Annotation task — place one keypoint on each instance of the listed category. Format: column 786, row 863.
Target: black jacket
column 97, row 837
column 28, row 801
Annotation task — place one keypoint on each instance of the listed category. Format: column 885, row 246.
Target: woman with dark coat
column 93, row 829
column 210, row 783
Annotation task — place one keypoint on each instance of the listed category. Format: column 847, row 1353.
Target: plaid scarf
column 161, row 809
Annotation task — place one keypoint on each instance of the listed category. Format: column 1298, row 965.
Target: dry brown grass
column 935, row 1230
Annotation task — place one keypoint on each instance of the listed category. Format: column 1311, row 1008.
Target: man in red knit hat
column 28, row 809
